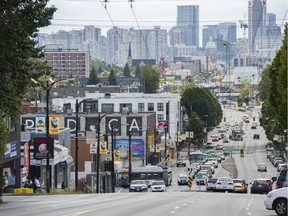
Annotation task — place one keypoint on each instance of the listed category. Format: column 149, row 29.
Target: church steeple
column 129, row 58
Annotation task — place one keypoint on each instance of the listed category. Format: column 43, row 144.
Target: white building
column 166, row 105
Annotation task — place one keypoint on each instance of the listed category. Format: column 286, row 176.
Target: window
column 129, row 106
column 160, row 117
column 107, row 108
column 160, row 107
column 140, row 107
column 150, row 106
column 66, row 106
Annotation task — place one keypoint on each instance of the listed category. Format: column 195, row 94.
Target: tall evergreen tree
column 112, row 78
column 93, row 79
column 138, row 71
column 127, row 70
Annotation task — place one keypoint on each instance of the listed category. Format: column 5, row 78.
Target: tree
column 19, row 57
column 93, row 79
column 150, row 78
column 112, row 78
column 138, row 71
column 127, row 70
column 202, row 102
column 100, row 69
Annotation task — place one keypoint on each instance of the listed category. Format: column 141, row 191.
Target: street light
column 76, row 140
column 49, row 85
column 98, row 150
column 112, row 153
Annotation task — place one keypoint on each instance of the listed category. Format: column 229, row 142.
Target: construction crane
column 243, row 25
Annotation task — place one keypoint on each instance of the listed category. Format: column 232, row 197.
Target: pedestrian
column 63, row 185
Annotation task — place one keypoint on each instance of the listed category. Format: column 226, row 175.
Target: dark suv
column 280, row 179
column 261, row 186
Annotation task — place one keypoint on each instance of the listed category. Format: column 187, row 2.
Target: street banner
column 93, row 148
column 103, row 148
column 54, row 125
column 108, row 155
column 117, row 155
column 40, row 125
column 157, row 148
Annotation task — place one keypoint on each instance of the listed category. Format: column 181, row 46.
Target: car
column 123, row 183
column 240, row 186
column 158, row 186
column 138, row 186
column 262, row 167
column 247, row 120
column 281, row 166
column 280, row 178
column 225, row 140
column 214, row 138
column 224, row 184
column 261, row 186
column 210, row 184
column 253, row 126
column 183, row 179
column 181, row 162
column 209, row 146
column 202, row 180
column 277, row 200
column 256, row 136
column 214, row 161
column 219, row 147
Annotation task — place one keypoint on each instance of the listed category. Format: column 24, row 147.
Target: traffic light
column 242, row 152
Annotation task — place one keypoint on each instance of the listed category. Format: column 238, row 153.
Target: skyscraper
column 256, row 20
column 187, row 25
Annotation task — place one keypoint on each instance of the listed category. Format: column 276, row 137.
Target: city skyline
column 75, row 14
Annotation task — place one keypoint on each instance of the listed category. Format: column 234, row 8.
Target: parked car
column 210, row 184
column 281, row 166
column 277, row 200
column 158, row 186
column 224, row 184
column 280, row 178
column 183, row 179
column 138, row 186
column 262, row 167
column 261, row 186
column 240, row 186
column 256, row 136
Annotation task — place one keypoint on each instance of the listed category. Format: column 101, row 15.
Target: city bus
column 150, row 174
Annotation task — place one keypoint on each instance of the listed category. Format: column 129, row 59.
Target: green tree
column 202, row 102
column 99, row 70
column 93, row 79
column 150, row 78
column 138, row 71
column 127, row 70
column 112, row 78
column 19, row 57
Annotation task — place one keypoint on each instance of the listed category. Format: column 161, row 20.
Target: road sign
column 231, row 149
column 199, row 175
column 190, row 180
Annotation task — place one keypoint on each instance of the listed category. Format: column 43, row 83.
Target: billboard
column 137, row 146
column 41, row 148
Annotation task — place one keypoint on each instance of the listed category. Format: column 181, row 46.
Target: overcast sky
column 74, row 14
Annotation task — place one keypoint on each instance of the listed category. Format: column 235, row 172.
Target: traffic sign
column 190, row 180
column 231, row 149
column 199, row 175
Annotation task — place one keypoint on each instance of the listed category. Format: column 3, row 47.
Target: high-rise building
column 256, row 20
column 209, row 31
column 187, row 28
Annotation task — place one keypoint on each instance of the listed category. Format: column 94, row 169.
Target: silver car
column 138, row 186
column 158, row 186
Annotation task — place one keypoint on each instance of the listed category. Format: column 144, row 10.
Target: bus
column 150, row 174
column 199, row 157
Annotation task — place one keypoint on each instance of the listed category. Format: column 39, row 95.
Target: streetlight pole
column 112, row 153
column 98, row 151
column 177, row 141
column 129, row 158
column 146, row 147
column 76, row 141
column 48, row 88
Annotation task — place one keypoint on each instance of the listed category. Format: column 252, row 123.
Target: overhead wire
column 141, row 33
